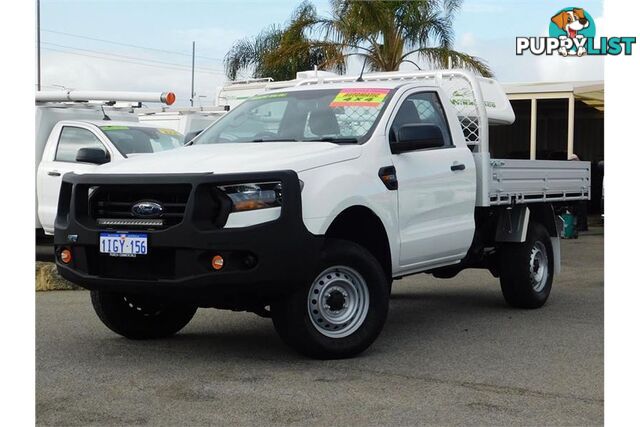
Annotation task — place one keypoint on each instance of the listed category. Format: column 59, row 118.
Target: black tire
column 523, row 283
column 140, row 317
column 292, row 315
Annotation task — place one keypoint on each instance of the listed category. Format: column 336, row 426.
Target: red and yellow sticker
column 359, row 97
column 165, row 131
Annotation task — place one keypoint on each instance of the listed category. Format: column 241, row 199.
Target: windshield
column 137, row 139
column 333, row 115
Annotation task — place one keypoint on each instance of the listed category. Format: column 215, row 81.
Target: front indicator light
column 65, row 256
column 217, row 262
column 248, row 205
column 388, row 177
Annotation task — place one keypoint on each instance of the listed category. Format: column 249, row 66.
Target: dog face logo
column 575, row 24
column 571, row 21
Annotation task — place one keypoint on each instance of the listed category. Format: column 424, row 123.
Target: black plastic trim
column 265, row 259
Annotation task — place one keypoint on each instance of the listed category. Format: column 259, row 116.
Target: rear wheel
column 141, row 316
column 341, row 311
column 526, row 269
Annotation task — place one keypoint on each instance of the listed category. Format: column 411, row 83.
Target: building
column 553, row 121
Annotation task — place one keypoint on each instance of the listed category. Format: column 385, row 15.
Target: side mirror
column 417, row 137
column 96, row 156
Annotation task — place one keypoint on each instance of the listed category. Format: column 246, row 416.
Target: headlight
column 247, row 197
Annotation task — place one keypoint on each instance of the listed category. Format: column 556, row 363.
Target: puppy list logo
column 572, row 32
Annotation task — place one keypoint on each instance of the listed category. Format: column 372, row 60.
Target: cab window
column 262, row 120
column 339, row 115
column 421, row 108
column 73, row 139
column 142, row 140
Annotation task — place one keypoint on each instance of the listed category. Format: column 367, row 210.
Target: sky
column 96, row 44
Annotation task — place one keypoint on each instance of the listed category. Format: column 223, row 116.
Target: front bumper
column 261, row 261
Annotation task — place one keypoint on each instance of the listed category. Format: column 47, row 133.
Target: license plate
column 123, row 244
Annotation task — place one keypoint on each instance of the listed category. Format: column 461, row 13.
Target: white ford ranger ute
column 78, row 131
column 304, row 204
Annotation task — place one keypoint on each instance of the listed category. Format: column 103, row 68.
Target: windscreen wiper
column 274, row 140
column 335, row 140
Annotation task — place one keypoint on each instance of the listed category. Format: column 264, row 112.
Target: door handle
column 458, row 167
column 53, row 173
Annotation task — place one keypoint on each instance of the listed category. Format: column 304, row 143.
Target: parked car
column 188, row 121
column 81, row 137
column 304, row 204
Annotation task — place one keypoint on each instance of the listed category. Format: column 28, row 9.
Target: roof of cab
column 132, row 124
column 386, row 84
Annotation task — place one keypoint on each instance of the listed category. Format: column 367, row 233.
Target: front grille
column 111, row 205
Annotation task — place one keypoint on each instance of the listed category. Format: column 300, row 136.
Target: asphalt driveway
column 451, row 352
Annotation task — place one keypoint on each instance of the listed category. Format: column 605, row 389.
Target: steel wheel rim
column 338, row 301
column 538, row 266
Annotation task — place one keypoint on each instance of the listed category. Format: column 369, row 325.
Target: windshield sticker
column 168, row 132
column 114, row 127
column 359, row 98
column 269, row 96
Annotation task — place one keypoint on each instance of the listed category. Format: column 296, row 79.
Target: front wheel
column 526, row 269
column 342, row 310
column 141, row 316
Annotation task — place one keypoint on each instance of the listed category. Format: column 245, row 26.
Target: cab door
column 436, row 188
column 59, row 158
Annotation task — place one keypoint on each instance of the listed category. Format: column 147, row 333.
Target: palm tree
column 264, row 53
column 388, row 33
column 384, row 33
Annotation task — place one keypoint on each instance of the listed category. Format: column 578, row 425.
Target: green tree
column 384, row 33
column 263, row 54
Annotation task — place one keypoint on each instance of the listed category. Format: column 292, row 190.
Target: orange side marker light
column 217, row 262
column 65, row 256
